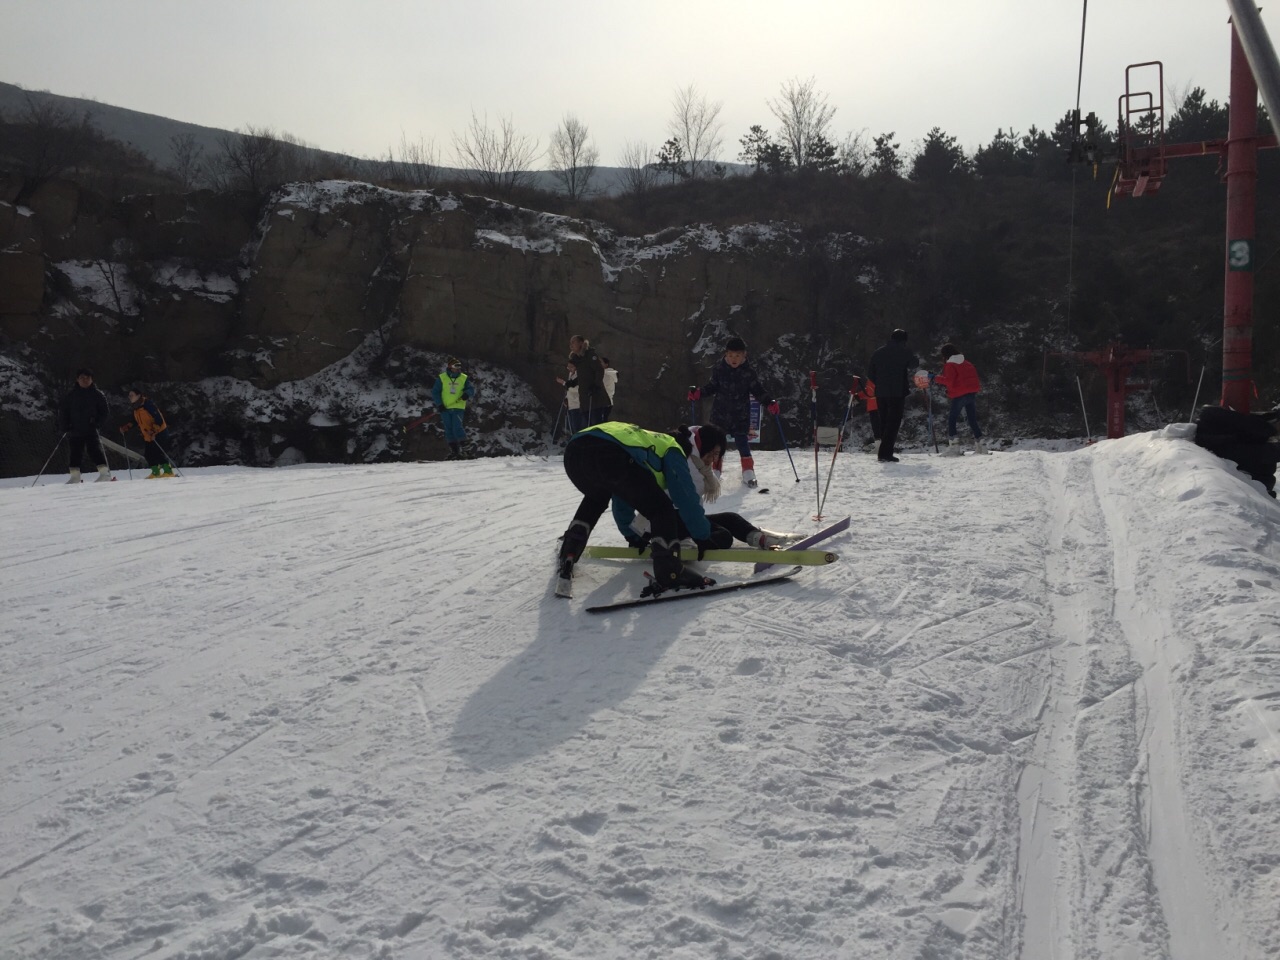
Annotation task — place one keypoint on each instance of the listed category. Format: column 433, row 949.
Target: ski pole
column 555, row 430
column 786, row 446
column 1084, row 411
column 128, row 460
column 813, row 407
column 168, row 459
column 1196, row 400
column 693, row 405
column 839, row 441
column 929, row 406
column 46, row 463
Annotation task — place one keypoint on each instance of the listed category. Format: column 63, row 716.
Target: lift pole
column 1242, row 184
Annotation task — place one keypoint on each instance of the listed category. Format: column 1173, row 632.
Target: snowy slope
column 1033, row 712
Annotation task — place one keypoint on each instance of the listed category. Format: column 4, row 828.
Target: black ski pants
column 602, row 470
column 725, row 528
column 79, row 443
column 891, row 409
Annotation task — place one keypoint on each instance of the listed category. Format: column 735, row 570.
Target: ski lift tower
column 1142, row 163
column 1117, row 362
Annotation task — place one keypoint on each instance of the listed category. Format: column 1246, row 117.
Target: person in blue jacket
column 451, row 393
column 639, row 471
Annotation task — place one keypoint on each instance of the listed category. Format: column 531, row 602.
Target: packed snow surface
column 1032, row 712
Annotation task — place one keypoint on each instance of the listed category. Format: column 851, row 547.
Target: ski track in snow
column 1033, row 712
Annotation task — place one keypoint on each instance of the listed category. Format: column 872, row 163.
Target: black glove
column 639, row 544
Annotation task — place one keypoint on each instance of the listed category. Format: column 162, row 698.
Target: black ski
column 693, row 594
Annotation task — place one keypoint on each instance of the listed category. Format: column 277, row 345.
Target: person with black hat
column 733, row 383
column 450, row 393
column 84, row 412
column 645, row 472
column 890, row 370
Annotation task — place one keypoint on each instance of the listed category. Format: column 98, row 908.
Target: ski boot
column 571, row 547
column 954, row 449
column 768, row 540
column 75, row 476
column 104, row 473
column 668, row 572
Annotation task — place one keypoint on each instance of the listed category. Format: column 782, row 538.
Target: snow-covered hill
column 1034, row 711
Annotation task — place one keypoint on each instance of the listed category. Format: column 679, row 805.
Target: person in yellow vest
column 450, row 393
column 639, row 471
column 150, row 422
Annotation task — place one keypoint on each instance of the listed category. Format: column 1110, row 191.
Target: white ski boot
column 768, row 540
column 104, row 473
column 749, row 478
column 979, row 447
column 75, row 475
column 954, row 449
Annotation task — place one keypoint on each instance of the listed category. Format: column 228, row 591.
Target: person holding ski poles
column 733, row 383
column 450, row 393
column 150, row 422
column 84, row 412
column 639, row 471
column 593, row 402
column 890, row 370
column 960, row 377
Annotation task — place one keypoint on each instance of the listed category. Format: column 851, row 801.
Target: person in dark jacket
column 639, row 471
column 593, row 402
column 84, row 413
column 150, row 422
column 732, row 385
column 890, row 370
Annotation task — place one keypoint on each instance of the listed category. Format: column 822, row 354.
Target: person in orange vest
column 867, row 394
column 150, row 422
column 960, row 377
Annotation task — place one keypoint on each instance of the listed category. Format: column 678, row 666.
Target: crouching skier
column 639, row 471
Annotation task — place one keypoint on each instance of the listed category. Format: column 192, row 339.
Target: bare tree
column 248, row 160
column 638, row 175
column 297, row 159
column 805, row 117
column 417, row 165
column 499, row 160
column 573, row 157
column 187, row 165
column 695, row 124
column 54, row 139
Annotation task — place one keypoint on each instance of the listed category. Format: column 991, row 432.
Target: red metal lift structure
column 1142, row 165
column 1117, row 363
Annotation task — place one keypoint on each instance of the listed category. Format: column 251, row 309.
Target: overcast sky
column 351, row 76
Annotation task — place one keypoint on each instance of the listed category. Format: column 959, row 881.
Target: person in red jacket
column 867, row 394
column 960, row 377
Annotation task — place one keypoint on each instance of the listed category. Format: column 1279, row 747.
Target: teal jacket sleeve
column 437, row 395
column 675, row 467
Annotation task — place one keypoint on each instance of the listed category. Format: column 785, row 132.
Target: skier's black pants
column 155, row 456
column 891, row 409
column 602, row 470
column 877, row 430
column 725, row 528
column 79, row 443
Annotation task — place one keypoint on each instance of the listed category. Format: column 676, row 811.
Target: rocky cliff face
column 244, row 321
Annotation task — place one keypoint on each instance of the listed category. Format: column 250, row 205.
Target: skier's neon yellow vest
column 646, row 446
column 451, row 391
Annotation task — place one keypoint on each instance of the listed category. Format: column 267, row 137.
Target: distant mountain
column 153, row 136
